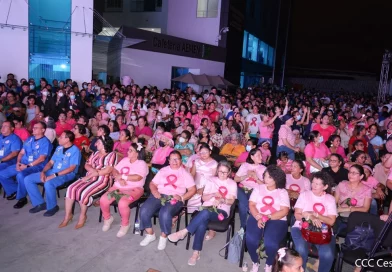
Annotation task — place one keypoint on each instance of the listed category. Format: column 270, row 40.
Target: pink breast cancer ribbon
column 295, row 188
column 319, row 208
column 124, row 171
column 171, row 180
column 113, row 110
column 253, row 123
column 223, row 191
column 268, row 201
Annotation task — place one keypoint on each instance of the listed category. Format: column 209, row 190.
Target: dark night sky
column 340, row 35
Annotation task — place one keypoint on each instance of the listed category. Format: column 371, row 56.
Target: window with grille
column 207, row 8
column 113, row 5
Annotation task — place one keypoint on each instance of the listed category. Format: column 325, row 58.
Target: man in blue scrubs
column 10, row 146
column 31, row 159
column 62, row 168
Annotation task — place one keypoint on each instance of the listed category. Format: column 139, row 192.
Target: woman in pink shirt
column 324, row 128
column 129, row 177
column 142, row 130
column 316, row 149
column 287, row 138
column 266, row 127
column 62, row 125
column 249, row 176
column 121, row 147
column 318, row 205
column 251, row 144
column 352, row 189
column 162, row 152
column 170, row 188
column 220, row 193
column 335, row 147
column 20, row 130
column 377, row 188
column 268, row 205
column 296, row 183
column 183, row 112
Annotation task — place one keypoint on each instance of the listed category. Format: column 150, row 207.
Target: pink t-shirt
column 325, row 132
column 183, row 116
column 360, row 195
column 250, row 182
column 122, row 148
column 173, row 182
column 285, row 132
column 269, row 202
column 266, row 131
column 242, row 158
column 144, row 131
column 22, row 133
column 297, row 185
column 160, row 155
column 125, row 167
column 308, row 202
column 371, row 182
column 312, row 151
column 227, row 188
column 340, row 151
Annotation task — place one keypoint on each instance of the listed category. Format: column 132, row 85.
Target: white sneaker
column 162, row 243
column 123, row 230
column 255, row 267
column 107, row 223
column 148, row 239
column 268, row 268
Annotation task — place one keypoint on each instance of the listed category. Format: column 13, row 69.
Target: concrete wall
column 153, row 68
column 82, row 47
column 157, row 19
column 183, row 22
column 14, row 48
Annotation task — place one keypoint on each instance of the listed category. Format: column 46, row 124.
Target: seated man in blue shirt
column 10, row 146
column 31, row 159
column 62, row 168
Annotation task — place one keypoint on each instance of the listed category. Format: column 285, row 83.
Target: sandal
column 195, row 257
column 211, row 234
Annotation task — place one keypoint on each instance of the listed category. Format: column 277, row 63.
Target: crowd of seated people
column 274, row 153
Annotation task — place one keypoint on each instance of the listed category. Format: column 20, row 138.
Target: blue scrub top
column 9, row 144
column 34, row 148
column 64, row 160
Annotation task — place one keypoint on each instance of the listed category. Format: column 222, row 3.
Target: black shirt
column 339, row 176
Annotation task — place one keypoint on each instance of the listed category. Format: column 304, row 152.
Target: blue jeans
column 32, row 181
column 166, row 213
column 10, row 185
column 326, row 252
column 243, row 205
column 198, row 226
column 289, row 151
column 274, row 232
column 373, row 207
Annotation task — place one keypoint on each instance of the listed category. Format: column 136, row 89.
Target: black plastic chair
column 381, row 248
column 226, row 225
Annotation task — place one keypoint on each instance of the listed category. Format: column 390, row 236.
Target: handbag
column 317, row 237
column 320, row 162
column 235, row 246
column 362, row 237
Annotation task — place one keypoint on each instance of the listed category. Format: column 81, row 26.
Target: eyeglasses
column 353, row 173
column 223, row 173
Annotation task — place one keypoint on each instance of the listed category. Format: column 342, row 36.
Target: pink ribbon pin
column 319, row 208
column 171, row 180
column 268, row 201
column 295, row 188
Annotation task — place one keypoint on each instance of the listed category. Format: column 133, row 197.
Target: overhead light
column 63, row 66
column 152, row 29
